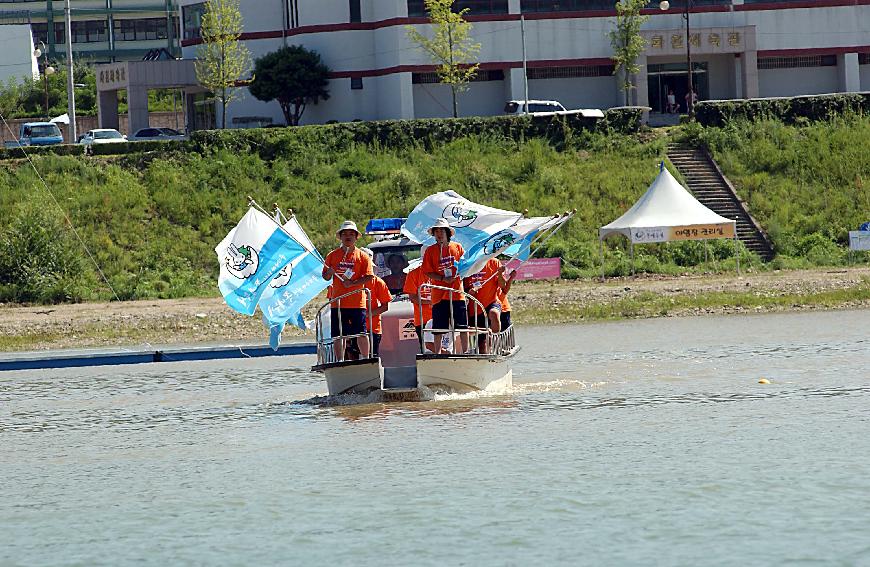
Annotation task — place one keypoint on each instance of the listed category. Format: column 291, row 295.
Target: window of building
column 795, row 62
column 91, row 31
column 355, row 11
column 528, row 6
column 40, row 33
column 864, row 59
column 356, row 83
column 140, row 30
column 481, row 76
column 570, row 72
column 417, row 8
column 192, row 18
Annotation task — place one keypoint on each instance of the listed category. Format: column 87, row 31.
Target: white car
column 102, row 136
column 547, row 108
column 157, row 134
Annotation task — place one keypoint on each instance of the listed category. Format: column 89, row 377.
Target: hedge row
column 272, row 142
column 789, row 110
column 60, row 149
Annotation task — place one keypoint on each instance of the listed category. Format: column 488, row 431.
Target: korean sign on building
column 701, row 41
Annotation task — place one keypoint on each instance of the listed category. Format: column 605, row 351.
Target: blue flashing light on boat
column 385, row 226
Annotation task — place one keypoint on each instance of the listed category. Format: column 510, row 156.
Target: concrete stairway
column 713, row 189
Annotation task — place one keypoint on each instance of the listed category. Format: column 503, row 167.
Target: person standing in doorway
column 671, row 108
column 691, row 101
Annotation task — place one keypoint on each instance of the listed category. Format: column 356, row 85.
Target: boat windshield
column 44, row 131
column 390, row 261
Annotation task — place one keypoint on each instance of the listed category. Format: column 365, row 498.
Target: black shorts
column 505, row 320
column 353, row 321
column 441, row 315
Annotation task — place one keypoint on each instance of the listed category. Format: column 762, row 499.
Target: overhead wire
column 62, row 211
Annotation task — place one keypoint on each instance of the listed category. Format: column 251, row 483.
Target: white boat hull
column 352, row 378
column 464, row 374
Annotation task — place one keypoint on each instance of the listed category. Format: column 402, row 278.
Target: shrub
column 789, row 110
column 39, row 259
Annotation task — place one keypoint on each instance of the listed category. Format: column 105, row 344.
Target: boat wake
column 440, row 394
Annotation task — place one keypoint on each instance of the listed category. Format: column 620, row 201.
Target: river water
column 642, row 442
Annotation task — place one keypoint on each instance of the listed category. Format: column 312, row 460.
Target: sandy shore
column 197, row 320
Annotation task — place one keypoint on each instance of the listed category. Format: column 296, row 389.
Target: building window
column 527, row 6
column 356, row 83
column 479, row 77
column 92, row 31
column 864, row 59
column 140, row 30
column 570, row 72
column 417, row 8
column 192, row 16
column 796, row 62
column 355, row 11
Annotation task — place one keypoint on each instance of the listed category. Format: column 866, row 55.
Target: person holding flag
column 350, row 269
column 440, row 266
column 484, row 286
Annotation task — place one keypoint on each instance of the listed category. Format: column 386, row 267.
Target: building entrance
column 664, row 78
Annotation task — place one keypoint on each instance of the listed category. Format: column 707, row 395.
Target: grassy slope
column 808, row 186
column 152, row 224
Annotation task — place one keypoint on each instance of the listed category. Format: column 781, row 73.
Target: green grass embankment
column 152, row 220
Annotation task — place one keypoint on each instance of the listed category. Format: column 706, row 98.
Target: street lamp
column 46, row 71
column 664, row 5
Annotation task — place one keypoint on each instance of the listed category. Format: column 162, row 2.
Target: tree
column 221, row 59
column 10, row 98
column 627, row 42
column 451, row 47
column 294, row 76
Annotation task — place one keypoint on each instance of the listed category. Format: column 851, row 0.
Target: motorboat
column 403, row 366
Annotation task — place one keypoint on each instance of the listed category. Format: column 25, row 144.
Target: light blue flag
column 293, row 287
column 289, row 293
column 250, row 256
column 472, row 222
column 514, row 240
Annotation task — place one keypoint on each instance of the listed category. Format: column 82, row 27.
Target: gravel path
column 200, row 320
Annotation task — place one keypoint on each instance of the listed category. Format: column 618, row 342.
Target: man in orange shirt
column 381, row 299
column 350, row 269
column 440, row 265
column 502, row 298
column 420, row 297
column 484, row 286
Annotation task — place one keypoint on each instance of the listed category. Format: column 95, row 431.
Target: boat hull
column 465, row 374
column 356, row 377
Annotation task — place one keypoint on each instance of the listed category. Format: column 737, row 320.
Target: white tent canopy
column 667, row 211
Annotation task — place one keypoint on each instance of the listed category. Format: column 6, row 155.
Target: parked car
column 102, row 136
column 547, row 108
column 37, row 134
column 157, row 134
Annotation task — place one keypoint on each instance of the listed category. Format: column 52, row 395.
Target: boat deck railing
column 325, row 345
column 493, row 340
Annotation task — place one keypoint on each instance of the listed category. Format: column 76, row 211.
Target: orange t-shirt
column 485, row 291
column 351, row 265
column 444, row 260
column 380, row 296
column 415, row 279
column 502, row 298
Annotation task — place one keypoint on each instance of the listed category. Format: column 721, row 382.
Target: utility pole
column 525, row 70
column 70, row 82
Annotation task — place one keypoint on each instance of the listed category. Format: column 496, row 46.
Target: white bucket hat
column 348, row 225
column 441, row 223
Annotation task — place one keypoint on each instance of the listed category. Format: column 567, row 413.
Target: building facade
column 740, row 49
column 102, row 30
